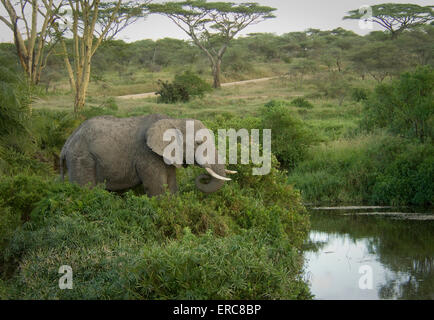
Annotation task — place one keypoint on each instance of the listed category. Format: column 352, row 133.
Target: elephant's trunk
column 213, row 181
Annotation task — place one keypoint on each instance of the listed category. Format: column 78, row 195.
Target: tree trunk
column 79, row 100
column 216, row 69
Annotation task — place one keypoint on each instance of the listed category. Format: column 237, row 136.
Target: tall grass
column 372, row 169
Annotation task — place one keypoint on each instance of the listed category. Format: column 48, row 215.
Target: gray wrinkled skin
column 126, row 152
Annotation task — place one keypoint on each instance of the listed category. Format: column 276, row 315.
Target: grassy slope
column 331, row 120
column 343, row 169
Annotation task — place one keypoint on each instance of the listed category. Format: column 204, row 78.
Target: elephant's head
column 216, row 173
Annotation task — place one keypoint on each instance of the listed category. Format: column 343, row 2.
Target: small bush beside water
column 291, row 138
column 376, row 169
column 405, row 106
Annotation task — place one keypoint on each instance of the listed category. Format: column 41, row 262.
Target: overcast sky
column 292, row 15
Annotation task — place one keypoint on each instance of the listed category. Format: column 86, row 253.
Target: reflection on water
column 398, row 253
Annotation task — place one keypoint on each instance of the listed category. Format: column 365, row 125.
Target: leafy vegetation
column 351, row 119
column 183, row 88
column 291, row 139
column 405, row 106
column 376, row 169
column 109, row 240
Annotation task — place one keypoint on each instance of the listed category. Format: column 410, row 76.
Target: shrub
column 110, row 103
column 378, row 170
column 290, row 137
column 52, row 129
column 334, row 86
column 184, row 87
column 22, row 192
column 14, row 162
column 15, row 98
column 172, row 92
column 407, row 179
column 359, row 94
column 275, row 103
column 403, row 107
column 236, row 267
column 109, row 239
column 9, row 221
column 302, row 103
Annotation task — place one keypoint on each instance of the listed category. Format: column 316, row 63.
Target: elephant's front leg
column 155, row 177
column 171, row 180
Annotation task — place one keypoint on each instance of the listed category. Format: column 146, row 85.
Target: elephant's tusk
column 215, row 175
column 230, row 171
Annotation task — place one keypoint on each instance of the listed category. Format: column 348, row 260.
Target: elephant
column 123, row 153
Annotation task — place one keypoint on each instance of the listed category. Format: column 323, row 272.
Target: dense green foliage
column 302, row 103
column 290, row 139
column 16, row 146
column 243, row 242
column 377, row 169
column 395, row 167
column 300, row 54
column 184, row 87
column 395, row 17
column 110, row 240
column 14, row 101
column 405, row 106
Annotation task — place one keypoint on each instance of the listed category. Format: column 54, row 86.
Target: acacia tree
column 90, row 23
column 212, row 25
column 33, row 40
column 378, row 59
column 396, row 17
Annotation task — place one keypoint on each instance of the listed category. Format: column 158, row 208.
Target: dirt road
column 152, row 94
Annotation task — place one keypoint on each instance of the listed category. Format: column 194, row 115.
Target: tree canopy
column 212, row 25
column 396, row 17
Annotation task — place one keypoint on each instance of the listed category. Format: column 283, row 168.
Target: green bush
column 15, row 96
column 407, row 179
column 405, row 106
column 183, row 88
column 108, row 239
column 14, row 162
column 110, row 103
column 302, row 103
column 378, row 170
column 236, row 267
column 276, row 103
column 172, row 92
column 52, row 129
column 9, row 221
column 291, row 138
column 359, row 94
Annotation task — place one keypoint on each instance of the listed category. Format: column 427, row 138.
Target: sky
column 292, row 15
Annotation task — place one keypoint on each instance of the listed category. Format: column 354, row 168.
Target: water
column 370, row 253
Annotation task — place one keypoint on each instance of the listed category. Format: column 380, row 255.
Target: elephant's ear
column 155, row 136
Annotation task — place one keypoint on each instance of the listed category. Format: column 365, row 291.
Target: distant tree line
column 337, row 51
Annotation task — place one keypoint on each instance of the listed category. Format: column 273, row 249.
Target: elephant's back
column 107, row 132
